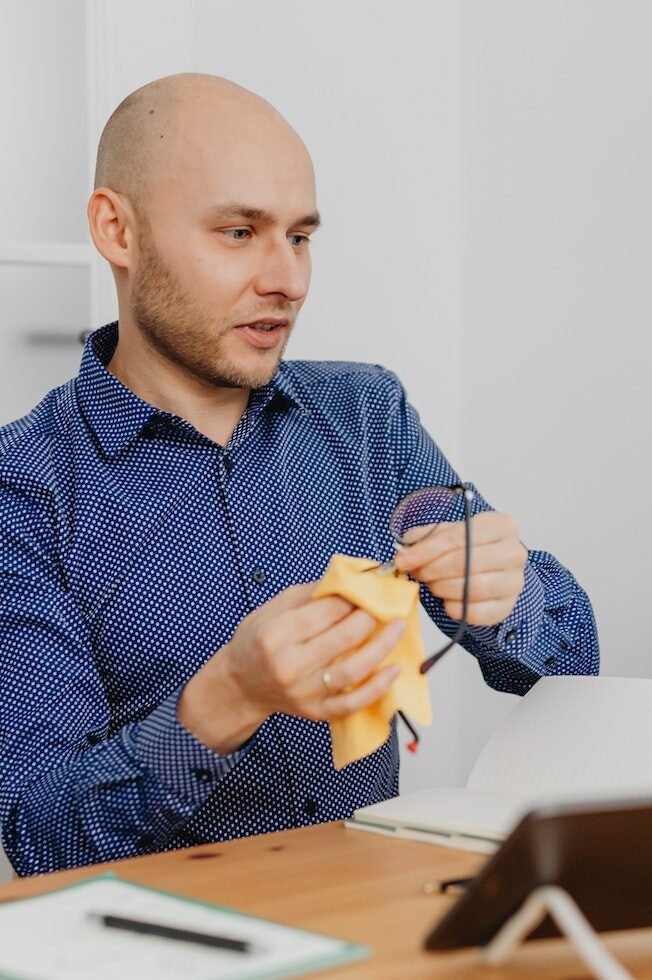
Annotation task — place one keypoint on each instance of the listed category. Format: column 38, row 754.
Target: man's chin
column 240, row 376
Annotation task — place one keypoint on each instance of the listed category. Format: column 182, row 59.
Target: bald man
column 167, row 677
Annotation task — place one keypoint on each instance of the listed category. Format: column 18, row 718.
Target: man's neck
column 212, row 410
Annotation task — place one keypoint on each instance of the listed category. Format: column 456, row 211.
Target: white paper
column 456, row 841
column 568, row 739
column 448, row 809
column 572, row 736
column 52, row 937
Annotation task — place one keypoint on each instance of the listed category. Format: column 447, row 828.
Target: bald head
column 204, row 205
column 141, row 135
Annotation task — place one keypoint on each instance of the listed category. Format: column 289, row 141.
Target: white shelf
column 47, row 253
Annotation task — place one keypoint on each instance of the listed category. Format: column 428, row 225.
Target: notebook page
column 71, row 946
column 446, row 809
column 572, row 736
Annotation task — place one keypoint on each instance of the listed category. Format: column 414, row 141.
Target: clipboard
column 57, row 936
column 597, row 854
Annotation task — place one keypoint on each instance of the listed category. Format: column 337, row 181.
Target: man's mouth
column 263, row 333
column 266, row 325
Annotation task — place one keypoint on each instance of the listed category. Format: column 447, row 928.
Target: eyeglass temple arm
column 461, row 628
column 431, row 661
column 412, row 746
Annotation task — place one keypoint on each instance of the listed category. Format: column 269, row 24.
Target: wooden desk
column 352, row 885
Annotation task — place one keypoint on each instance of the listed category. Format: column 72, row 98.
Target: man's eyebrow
column 234, row 210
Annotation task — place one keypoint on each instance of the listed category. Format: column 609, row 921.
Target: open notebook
column 569, row 738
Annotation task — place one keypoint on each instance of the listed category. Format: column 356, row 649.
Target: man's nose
column 283, row 270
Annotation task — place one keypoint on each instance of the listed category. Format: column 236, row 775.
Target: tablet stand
column 554, row 901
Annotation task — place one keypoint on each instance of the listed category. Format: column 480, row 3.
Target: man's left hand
column 497, row 562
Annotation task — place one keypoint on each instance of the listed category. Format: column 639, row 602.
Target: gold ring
column 327, row 682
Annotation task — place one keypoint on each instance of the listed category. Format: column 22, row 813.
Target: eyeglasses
column 423, row 507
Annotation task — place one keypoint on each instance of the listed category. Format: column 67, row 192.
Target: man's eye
column 299, row 240
column 238, row 234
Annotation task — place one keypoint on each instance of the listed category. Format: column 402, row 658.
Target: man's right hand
column 276, row 661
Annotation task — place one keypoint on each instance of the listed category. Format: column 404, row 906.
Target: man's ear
column 112, row 223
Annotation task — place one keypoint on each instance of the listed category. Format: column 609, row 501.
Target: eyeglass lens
column 424, row 507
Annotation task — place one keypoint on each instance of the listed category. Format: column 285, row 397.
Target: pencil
column 171, row 932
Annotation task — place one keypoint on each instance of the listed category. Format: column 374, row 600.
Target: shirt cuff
column 177, row 759
column 516, row 636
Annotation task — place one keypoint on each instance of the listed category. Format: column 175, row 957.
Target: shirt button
column 258, row 575
column 150, row 430
column 310, row 807
column 203, row 775
column 510, row 636
column 228, row 464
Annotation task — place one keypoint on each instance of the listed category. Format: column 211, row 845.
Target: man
column 167, row 678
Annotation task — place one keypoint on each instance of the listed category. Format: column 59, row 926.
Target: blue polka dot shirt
column 132, row 547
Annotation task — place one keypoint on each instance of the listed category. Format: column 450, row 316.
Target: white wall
column 43, row 191
column 43, row 185
column 557, row 154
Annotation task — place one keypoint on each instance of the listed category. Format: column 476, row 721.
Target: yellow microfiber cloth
column 386, row 597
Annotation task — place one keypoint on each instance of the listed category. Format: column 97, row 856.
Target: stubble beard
column 180, row 330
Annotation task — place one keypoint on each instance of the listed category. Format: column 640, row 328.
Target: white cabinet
column 45, row 256
column 44, row 164
column 64, row 67
column 44, row 310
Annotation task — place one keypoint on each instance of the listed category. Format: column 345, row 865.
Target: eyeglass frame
column 429, row 663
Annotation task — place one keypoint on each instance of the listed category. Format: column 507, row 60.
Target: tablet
column 600, row 853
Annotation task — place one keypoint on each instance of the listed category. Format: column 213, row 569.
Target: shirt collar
column 117, row 416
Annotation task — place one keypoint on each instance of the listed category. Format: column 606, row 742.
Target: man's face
column 224, row 244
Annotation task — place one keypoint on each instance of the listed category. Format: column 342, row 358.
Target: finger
column 486, row 528
column 340, row 705
column 291, row 598
column 437, row 542
column 345, row 635
column 294, row 597
column 356, row 667
column 302, row 622
column 487, row 587
column 502, row 557
column 417, row 533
